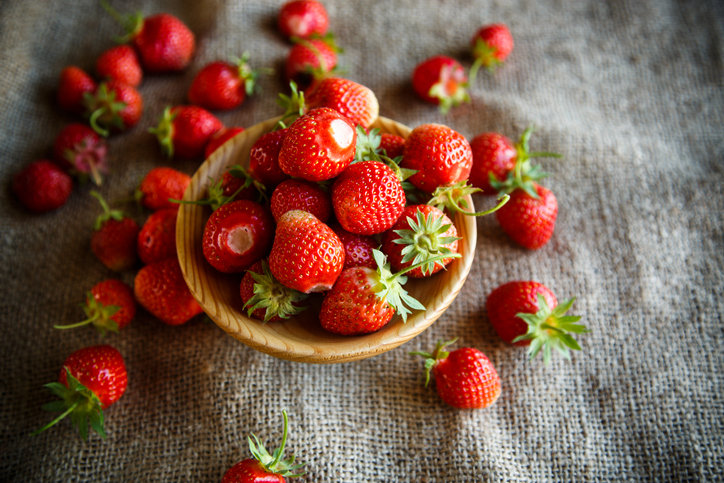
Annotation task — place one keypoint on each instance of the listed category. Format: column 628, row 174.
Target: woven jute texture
column 631, row 92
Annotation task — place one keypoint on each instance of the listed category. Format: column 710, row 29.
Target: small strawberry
column 527, row 313
column 264, row 159
column 109, row 306
column 441, row 80
column 264, row 467
column 161, row 184
column 160, row 288
column 42, row 186
column 310, row 61
column 238, row 184
column 354, row 101
column 73, row 85
column 392, row 145
column 113, row 106
column 121, row 64
column 529, row 220
column 265, row 297
column 357, row 248
column 465, row 378
column 306, row 255
column 298, row 194
column 157, row 238
column 223, row 85
column 237, row 235
column 92, row 379
column 491, row 45
column 302, row 19
column 184, row 131
column 220, row 138
column 81, row 151
column 318, row 146
column 114, row 238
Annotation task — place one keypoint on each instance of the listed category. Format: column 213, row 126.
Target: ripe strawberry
column 368, row 198
column 357, row 248
column 354, row 101
column 264, row 159
column 318, row 146
column 392, row 145
column 298, row 194
column 81, row 151
column 120, row 63
column 238, row 184
column 109, row 306
column 465, row 378
column 92, row 379
column 307, row 255
column 42, row 186
column 157, row 238
column 265, row 297
column 237, row 235
column 441, row 80
column 73, row 85
column 491, row 45
column 114, row 238
column 527, row 313
column 160, row 288
column 439, row 154
column 302, row 19
column 113, row 106
column 223, row 85
column 310, row 61
column 529, row 220
column 185, row 131
column 161, row 184
column 264, row 467
column 220, row 138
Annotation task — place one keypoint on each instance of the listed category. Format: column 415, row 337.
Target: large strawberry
column 157, row 238
column 529, row 220
column 114, row 238
column 264, row 159
column 223, row 85
column 109, row 306
column 80, row 150
column 302, row 19
column 42, row 186
column 160, row 288
column 441, row 80
column 92, row 379
column 120, row 63
column 114, row 106
column 310, row 60
column 465, row 378
column 354, row 101
column 527, row 313
column 220, row 138
column 184, row 131
column 298, row 194
column 73, row 85
column 307, row 255
column 161, row 184
column 265, row 297
column 491, row 45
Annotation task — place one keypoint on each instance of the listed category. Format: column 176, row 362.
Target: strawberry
column 306, row 255
column 157, row 238
column 109, row 306
column 264, row 159
column 81, row 151
column 354, row 101
column 223, row 85
column 439, row 154
column 529, row 220
column 357, row 248
column 113, row 106
column 465, row 378
column 527, row 313
column 309, row 61
column 441, row 80
column 92, row 379
column 237, row 235
column 238, row 184
column 163, row 42
column 392, row 145
column 73, row 85
column 491, row 45
column 161, row 184
column 114, row 238
column 264, row 467
column 160, row 288
column 220, row 138
column 42, row 186
column 265, row 297
column 302, row 19
column 185, row 131
column 298, row 194
column 121, row 64
column 318, row 146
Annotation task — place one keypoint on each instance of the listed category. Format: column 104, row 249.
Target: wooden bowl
column 301, row 337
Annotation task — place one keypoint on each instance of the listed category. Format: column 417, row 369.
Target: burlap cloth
column 630, row 92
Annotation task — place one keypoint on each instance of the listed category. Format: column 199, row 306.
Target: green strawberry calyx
column 132, row 24
column 103, row 110
column 248, row 75
column 97, row 314
column 368, row 149
column 431, row 359
column 216, row 198
column 485, row 55
column 449, row 91
column 273, row 463
column 79, row 402
column 164, row 131
column 550, row 328
column 108, row 213
column 452, row 198
column 293, row 105
column 270, row 295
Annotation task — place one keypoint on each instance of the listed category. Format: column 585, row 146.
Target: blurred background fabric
column 631, row 92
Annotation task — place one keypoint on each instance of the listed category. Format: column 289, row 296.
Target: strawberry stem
column 56, row 420
column 78, row 324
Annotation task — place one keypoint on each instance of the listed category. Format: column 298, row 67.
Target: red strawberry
column 42, row 186
column 265, row 297
column 420, row 233
column 113, row 106
column 264, row 159
column 92, row 379
column 114, row 238
column 439, row 154
column 120, row 63
column 73, row 85
column 357, row 248
column 160, row 288
column 465, row 378
column 302, row 19
column 223, row 85
column 237, row 235
column 220, row 138
column 318, row 146
column 109, row 306
column 529, row 220
column 238, row 184
column 392, row 145
column 185, row 131
column 354, row 101
column 527, row 313
column 157, row 238
column 264, row 467
column 309, row 61
column 81, row 151
column 491, row 45
column 307, row 255
column 368, row 198
column 161, row 184
column 441, row 80
column 298, row 194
